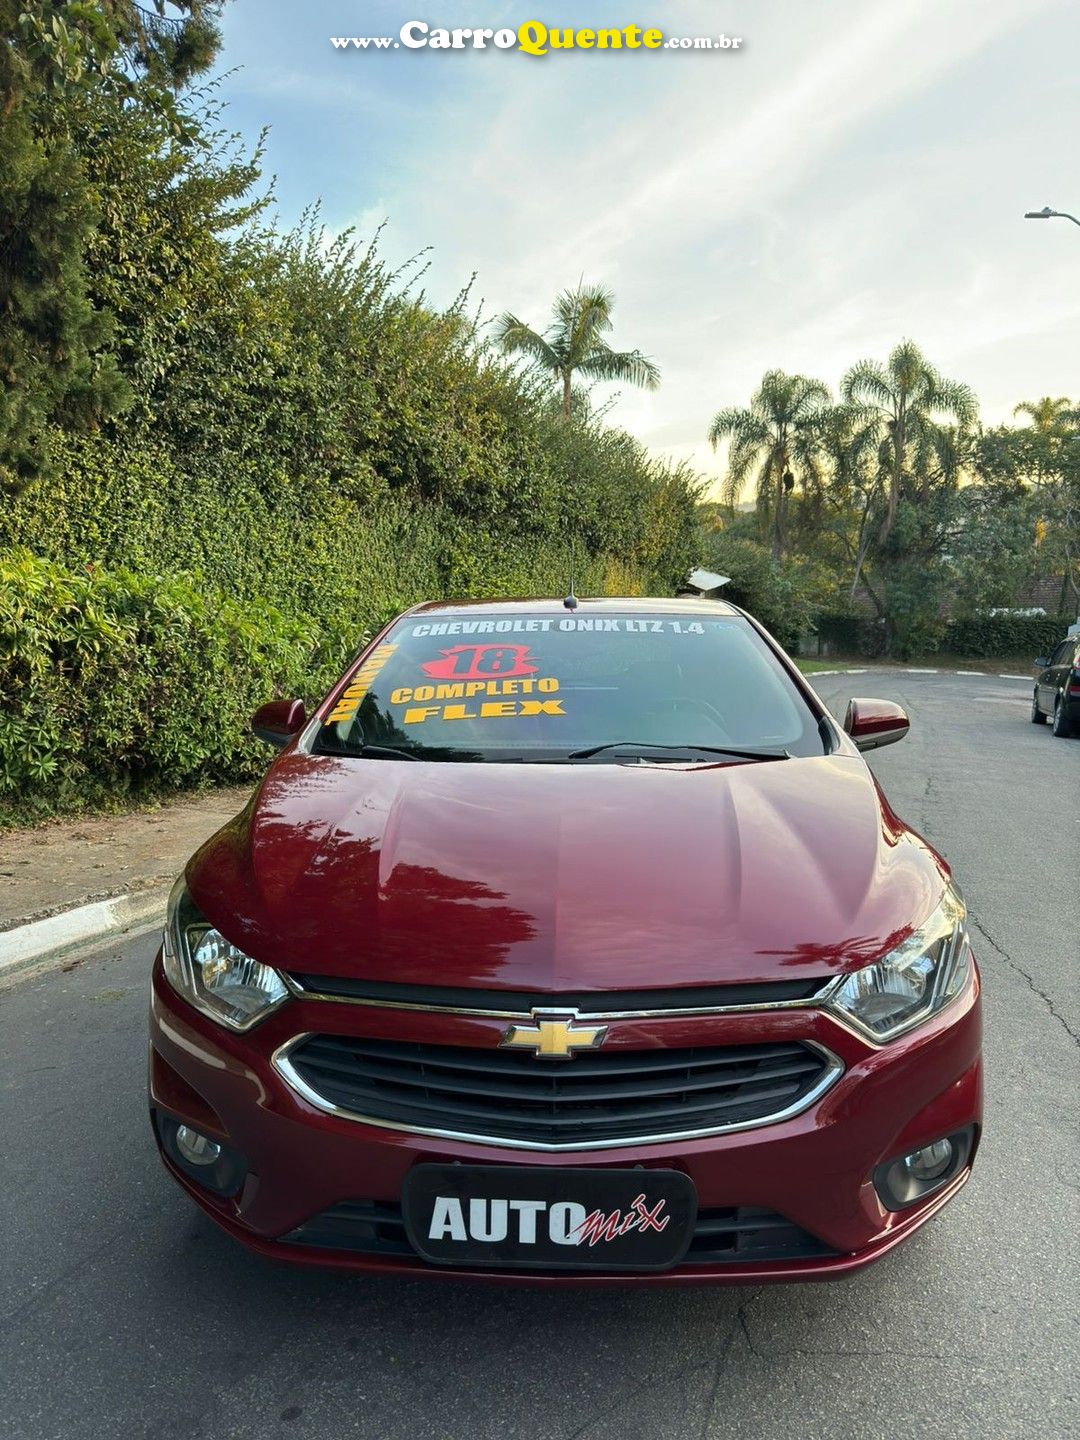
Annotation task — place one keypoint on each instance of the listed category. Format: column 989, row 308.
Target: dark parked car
column 1057, row 688
column 572, row 943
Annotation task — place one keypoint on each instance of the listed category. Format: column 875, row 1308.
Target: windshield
column 546, row 687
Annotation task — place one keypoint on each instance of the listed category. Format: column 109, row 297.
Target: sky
column 855, row 173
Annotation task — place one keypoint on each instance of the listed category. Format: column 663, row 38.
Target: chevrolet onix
column 575, row 942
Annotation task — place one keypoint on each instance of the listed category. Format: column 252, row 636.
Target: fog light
column 931, row 1162
column 212, row 1165
column 912, row 1177
column 195, row 1148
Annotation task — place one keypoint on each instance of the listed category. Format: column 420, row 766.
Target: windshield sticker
column 484, row 710
column 427, row 702
column 628, row 625
column 467, row 668
column 349, row 700
column 472, row 662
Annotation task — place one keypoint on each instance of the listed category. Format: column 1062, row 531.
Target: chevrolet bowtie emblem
column 554, row 1037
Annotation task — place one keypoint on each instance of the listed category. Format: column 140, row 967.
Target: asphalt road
column 125, row 1313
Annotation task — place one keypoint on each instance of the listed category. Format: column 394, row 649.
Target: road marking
column 910, row 670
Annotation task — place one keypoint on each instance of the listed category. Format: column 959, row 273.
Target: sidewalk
column 64, row 864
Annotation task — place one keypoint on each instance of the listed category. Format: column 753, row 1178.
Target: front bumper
column 814, row 1170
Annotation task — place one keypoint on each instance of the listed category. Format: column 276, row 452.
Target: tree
column 55, row 365
column 775, row 436
column 154, row 49
column 1049, row 416
column 1044, row 456
column 908, row 399
column 162, row 259
column 996, row 549
column 850, row 485
column 574, row 344
column 777, row 597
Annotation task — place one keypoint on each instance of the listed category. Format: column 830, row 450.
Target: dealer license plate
column 549, row 1219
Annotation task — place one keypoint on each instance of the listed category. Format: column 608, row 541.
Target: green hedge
column 995, row 635
column 113, row 683
column 292, row 540
column 978, row 637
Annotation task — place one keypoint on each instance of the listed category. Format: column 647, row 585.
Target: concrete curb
column 43, row 943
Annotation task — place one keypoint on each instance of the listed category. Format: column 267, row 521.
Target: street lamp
column 1047, row 214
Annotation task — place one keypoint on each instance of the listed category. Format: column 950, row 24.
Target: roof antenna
column 571, row 601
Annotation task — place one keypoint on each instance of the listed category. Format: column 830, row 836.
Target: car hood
column 566, row 877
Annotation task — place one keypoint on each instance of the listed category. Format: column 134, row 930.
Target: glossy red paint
column 278, row 721
column 571, row 878
column 871, row 723
column 552, row 877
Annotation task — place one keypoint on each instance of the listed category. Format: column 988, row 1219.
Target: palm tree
column 1051, row 420
column 777, row 432
column 574, row 343
column 851, row 452
column 908, row 400
column 1048, row 416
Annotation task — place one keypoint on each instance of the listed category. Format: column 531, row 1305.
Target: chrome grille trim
column 834, row 1068
column 817, row 1001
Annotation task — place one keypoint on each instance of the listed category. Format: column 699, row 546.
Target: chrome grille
column 608, row 1097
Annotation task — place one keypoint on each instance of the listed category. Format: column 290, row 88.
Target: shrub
column 112, row 682
column 773, row 594
column 995, row 635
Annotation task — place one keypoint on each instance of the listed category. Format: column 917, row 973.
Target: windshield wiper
column 708, row 749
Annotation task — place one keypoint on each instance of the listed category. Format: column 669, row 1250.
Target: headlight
column 211, row 973
column 913, row 981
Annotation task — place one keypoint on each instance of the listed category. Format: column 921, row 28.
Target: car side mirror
column 1041, row 662
column 278, row 721
column 873, row 723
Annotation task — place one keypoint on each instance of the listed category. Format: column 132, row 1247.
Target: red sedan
column 569, row 941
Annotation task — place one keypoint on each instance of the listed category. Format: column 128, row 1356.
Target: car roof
column 594, row 605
